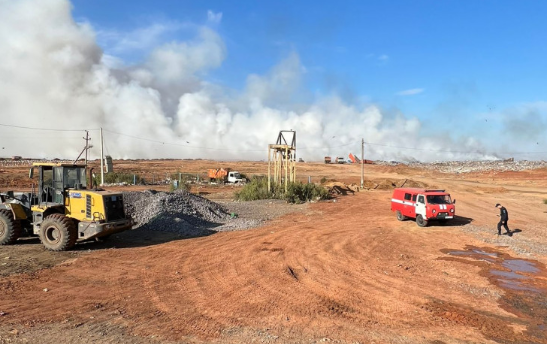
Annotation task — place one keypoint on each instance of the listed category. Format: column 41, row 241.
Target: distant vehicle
column 16, row 157
column 225, row 176
column 422, row 204
column 354, row 159
column 327, row 160
column 340, row 160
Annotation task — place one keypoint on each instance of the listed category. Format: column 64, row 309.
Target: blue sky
column 467, row 73
column 490, row 52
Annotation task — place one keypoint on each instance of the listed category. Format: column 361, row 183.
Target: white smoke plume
column 53, row 74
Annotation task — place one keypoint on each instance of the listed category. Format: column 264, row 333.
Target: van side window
column 407, row 196
column 413, row 198
column 421, row 199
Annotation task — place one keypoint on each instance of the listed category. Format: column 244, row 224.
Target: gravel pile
column 180, row 212
column 520, row 242
column 28, row 162
column 473, row 166
column 190, row 215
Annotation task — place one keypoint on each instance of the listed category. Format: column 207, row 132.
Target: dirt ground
column 340, row 271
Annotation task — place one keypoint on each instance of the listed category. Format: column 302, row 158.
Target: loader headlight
column 434, row 211
column 452, row 210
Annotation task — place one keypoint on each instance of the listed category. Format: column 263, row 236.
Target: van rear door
column 408, row 205
column 411, row 210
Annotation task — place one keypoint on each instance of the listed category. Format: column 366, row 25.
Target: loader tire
column 10, row 229
column 420, row 221
column 58, row 233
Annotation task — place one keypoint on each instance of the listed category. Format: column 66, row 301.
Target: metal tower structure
column 282, row 159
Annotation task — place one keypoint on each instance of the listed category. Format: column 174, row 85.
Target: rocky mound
column 339, row 188
column 389, row 184
column 180, row 212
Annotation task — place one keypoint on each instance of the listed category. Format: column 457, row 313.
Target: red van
column 423, row 204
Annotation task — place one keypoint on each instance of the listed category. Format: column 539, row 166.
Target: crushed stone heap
column 180, row 212
column 473, row 166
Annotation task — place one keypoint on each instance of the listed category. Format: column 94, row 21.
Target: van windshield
column 439, row 199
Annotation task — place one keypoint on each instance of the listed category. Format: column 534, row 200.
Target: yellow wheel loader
column 62, row 211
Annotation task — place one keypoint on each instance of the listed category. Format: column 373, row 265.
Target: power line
column 44, row 129
column 174, row 144
column 259, row 150
column 219, row 149
column 416, row 148
column 445, row 151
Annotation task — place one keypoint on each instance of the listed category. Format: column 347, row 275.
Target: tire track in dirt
column 367, row 277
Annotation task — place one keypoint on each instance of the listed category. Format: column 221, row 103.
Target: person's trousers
column 504, row 223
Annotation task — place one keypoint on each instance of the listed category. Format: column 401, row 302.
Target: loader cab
column 55, row 179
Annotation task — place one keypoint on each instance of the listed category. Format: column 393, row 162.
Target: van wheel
column 420, row 221
column 400, row 216
column 10, row 229
column 58, row 233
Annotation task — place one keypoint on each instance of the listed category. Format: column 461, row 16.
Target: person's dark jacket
column 504, row 216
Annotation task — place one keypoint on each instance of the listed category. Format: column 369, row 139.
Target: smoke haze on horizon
column 54, row 74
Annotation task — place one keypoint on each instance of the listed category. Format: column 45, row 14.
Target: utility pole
column 102, row 158
column 362, row 163
column 86, row 138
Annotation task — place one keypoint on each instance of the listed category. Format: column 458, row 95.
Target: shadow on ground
column 512, row 232
column 460, row 221
column 146, row 236
column 143, row 236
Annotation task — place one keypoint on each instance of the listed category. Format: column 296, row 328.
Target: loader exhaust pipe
column 90, row 179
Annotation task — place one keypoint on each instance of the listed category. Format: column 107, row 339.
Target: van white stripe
column 401, row 202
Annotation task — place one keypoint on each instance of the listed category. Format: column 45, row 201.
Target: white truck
column 225, row 176
column 234, row 177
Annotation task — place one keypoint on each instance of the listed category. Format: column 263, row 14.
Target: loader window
column 413, row 198
column 47, row 177
column 421, row 199
column 73, row 176
column 47, row 184
column 408, row 196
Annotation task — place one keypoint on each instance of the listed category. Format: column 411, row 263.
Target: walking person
column 504, row 217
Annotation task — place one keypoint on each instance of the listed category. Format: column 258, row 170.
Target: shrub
column 545, row 201
column 117, row 177
column 324, row 180
column 297, row 192
column 184, row 177
column 184, row 185
column 256, row 189
column 245, row 178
